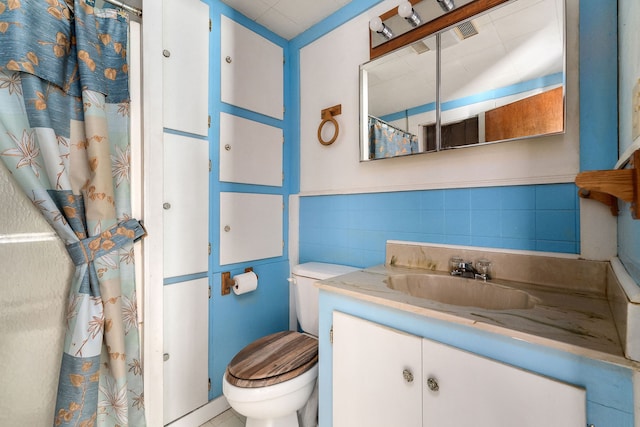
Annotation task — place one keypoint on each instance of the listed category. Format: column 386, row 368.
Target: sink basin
column 462, row 292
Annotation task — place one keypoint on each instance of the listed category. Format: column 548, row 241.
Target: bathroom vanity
column 544, row 352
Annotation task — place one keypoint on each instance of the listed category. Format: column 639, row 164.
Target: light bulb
column 405, row 9
column 376, row 24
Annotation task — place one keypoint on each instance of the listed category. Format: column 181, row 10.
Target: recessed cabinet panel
column 377, row 375
column 251, row 70
column 250, row 152
column 186, row 205
column 186, row 66
column 186, row 337
column 475, row 391
column 250, row 227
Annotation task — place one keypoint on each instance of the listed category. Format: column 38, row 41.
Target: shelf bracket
column 606, row 186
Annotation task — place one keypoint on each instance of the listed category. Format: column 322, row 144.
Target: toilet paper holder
column 228, row 282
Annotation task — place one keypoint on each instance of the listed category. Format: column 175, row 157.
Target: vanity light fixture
column 446, row 5
column 376, row 25
column 405, row 10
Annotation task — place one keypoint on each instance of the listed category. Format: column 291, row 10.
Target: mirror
column 501, row 78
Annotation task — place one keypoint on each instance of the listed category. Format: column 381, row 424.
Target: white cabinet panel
column 251, row 70
column 250, row 227
column 186, row 338
column 372, row 369
column 250, row 152
column 186, row 202
column 186, row 66
column 479, row 392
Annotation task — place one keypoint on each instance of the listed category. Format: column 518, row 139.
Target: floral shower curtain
column 64, row 136
column 386, row 140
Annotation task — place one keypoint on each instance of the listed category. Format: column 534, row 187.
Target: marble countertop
column 575, row 321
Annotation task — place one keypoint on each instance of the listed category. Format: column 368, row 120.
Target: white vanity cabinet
column 382, row 377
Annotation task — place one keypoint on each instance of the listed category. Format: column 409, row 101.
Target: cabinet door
column 250, row 152
column 185, row 90
column 186, row 338
column 372, row 370
column 251, row 70
column 251, row 227
column 186, row 203
column 479, row 392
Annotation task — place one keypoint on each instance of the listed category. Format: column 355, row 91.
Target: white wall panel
column 186, row 201
column 186, row 68
column 250, row 152
column 251, row 227
column 251, row 70
column 186, row 341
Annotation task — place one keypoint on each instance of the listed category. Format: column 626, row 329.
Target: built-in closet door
column 251, row 227
column 186, row 337
column 251, row 70
column 186, row 205
column 250, row 152
column 185, row 68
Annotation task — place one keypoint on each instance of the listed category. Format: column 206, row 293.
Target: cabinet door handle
column 408, row 376
column 432, row 383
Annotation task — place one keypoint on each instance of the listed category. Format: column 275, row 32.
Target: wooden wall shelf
column 606, row 186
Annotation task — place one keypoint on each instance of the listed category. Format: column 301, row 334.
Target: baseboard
column 203, row 414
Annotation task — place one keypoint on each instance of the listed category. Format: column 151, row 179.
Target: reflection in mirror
column 501, row 78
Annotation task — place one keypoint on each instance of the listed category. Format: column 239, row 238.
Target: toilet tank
column 304, row 276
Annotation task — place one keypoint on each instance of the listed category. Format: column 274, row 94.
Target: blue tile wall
column 352, row 229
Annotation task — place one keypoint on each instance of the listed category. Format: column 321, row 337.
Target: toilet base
column 290, row 420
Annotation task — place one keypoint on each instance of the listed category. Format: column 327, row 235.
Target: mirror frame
column 434, row 28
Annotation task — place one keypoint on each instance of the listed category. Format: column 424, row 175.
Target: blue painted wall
column 353, row 229
column 237, row 320
column 537, row 217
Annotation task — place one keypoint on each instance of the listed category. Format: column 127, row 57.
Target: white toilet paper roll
column 245, row 282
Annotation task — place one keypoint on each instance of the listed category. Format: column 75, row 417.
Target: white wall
column 329, row 75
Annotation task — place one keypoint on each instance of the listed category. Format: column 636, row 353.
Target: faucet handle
column 483, row 267
column 455, row 263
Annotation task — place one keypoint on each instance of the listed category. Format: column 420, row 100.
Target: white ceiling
column 287, row 18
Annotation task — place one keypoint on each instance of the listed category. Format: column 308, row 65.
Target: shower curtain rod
column 126, row 7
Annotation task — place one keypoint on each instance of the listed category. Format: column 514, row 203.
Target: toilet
column 272, row 378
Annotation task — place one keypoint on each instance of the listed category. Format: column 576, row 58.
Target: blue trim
column 186, row 278
column 537, row 83
column 598, row 85
column 187, row 134
column 250, row 115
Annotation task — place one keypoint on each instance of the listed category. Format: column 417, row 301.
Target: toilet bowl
column 272, row 378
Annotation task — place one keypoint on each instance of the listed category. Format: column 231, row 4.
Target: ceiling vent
column 465, row 30
column 420, row 47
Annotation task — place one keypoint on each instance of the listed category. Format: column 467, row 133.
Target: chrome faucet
column 464, row 269
column 467, row 270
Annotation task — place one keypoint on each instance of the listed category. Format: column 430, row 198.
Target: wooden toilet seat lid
column 273, row 359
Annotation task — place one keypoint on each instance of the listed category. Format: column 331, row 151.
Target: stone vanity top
column 569, row 316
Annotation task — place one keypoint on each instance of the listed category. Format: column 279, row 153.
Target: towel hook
column 327, row 117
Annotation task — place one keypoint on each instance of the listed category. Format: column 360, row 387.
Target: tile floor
column 228, row 418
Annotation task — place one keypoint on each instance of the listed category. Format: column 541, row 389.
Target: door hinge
column 209, row 122
column 209, row 249
column 210, row 25
column 210, row 165
column 209, row 292
column 331, row 335
column 209, row 384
